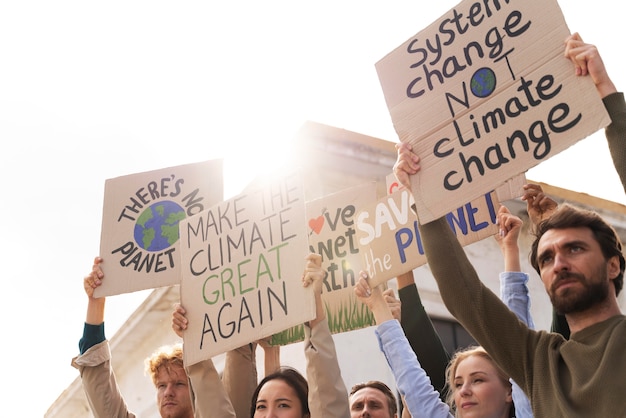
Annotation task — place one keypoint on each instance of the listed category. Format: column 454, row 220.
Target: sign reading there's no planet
column 140, row 237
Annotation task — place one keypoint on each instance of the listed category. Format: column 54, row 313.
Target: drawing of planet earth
column 483, row 82
column 157, row 227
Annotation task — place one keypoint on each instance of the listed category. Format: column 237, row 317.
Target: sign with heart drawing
column 316, row 224
column 332, row 234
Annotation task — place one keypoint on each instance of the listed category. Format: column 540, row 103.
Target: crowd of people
column 573, row 370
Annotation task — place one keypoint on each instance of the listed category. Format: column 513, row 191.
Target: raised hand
column 406, row 164
column 394, row 304
column 538, row 205
column 587, row 61
column 179, row 320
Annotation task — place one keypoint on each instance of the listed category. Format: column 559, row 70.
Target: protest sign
column 484, row 93
column 139, row 239
column 330, row 221
column 242, row 264
column 388, row 234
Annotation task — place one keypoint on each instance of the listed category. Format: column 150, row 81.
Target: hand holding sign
column 406, row 165
column 373, row 298
column 313, row 276
column 587, row 61
column 179, row 320
column 538, row 205
column 490, row 101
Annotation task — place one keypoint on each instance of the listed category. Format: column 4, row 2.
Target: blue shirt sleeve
column 413, row 383
column 514, row 293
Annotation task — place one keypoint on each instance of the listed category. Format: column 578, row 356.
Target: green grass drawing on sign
column 347, row 317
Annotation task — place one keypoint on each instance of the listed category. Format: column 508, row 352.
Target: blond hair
column 457, row 358
column 165, row 356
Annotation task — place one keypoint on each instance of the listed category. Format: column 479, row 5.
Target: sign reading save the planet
column 141, row 214
column 483, row 94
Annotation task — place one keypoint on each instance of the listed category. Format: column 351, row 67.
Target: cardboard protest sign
column 242, row 264
column 388, row 234
column 512, row 188
column 139, row 240
column 330, row 221
column 484, row 93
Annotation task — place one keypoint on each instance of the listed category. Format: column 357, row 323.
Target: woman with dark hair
column 328, row 396
column 283, row 394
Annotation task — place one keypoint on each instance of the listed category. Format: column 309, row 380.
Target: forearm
column 208, row 394
column 423, row 338
column 514, row 294
column 328, row 396
column 240, row 377
column 414, row 385
column 511, row 258
column 95, row 311
column 99, row 383
column 616, row 133
column 320, row 315
column 478, row 309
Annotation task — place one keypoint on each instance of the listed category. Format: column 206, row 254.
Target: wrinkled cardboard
column 139, row 247
column 242, row 264
column 388, row 235
column 520, row 72
column 332, row 234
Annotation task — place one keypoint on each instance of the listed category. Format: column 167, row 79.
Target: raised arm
column 208, row 395
column 539, row 207
column 328, row 396
column 94, row 361
column 421, row 333
column 588, row 62
column 477, row 308
column 420, row 397
column 514, row 290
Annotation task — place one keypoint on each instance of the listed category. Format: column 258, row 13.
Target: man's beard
column 572, row 300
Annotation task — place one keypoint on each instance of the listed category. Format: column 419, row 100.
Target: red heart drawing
column 316, row 224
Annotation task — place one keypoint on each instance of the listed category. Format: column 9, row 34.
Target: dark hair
column 376, row 384
column 291, row 377
column 568, row 216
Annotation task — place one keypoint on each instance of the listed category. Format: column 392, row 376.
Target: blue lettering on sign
column 462, row 221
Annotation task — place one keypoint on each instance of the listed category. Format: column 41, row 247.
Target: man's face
column 173, row 398
column 369, row 403
column 574, row 270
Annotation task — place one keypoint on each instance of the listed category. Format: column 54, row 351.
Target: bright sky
column 94, row 90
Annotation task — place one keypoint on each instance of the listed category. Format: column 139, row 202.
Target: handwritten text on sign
column 140, row 235
column 242, row 264
column 389, row 238
column 483, row 94
column 330, row 221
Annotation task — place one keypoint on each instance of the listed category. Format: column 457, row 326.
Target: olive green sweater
column 616, row 132
column 584, row 376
